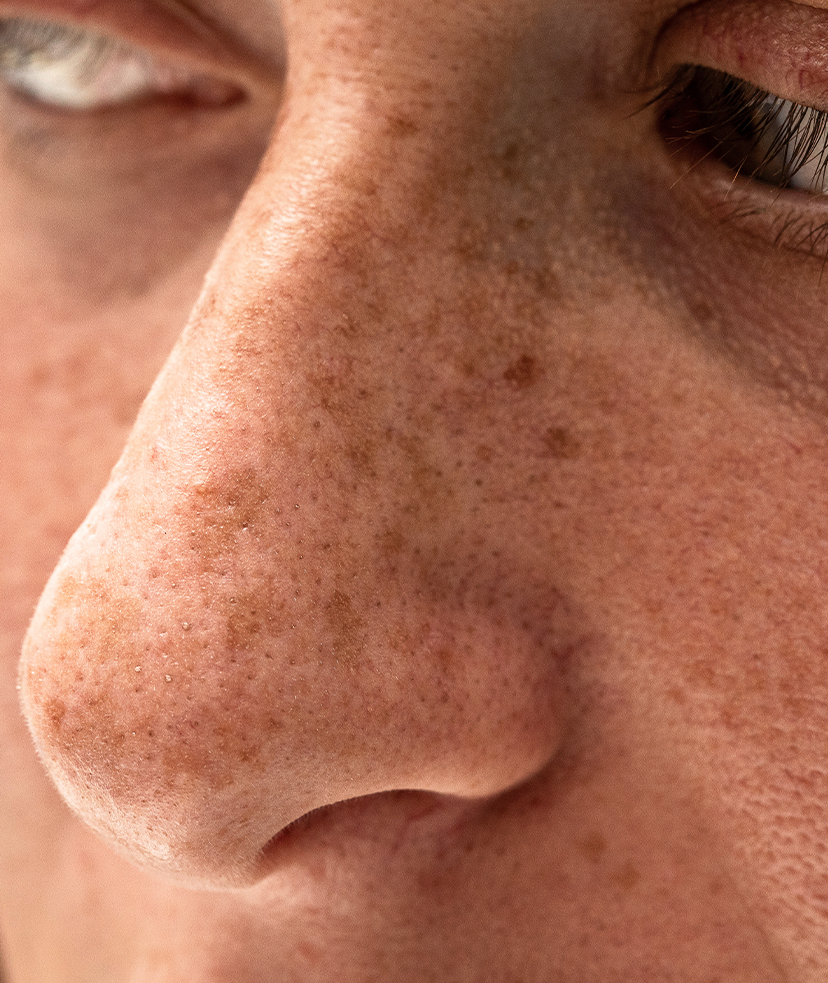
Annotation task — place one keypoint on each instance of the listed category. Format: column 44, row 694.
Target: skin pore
column 454, row 608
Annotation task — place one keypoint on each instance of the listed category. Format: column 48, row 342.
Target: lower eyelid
column 776, row 45
column 759, row 214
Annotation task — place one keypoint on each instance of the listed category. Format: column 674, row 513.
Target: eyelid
column 776, row 45
column 164, row 28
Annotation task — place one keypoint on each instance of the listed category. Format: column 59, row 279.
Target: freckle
column 627, row 876
column 401, row 126
column 55, row 712
column 594, row 846
column 701, row 312
column 560, row 444
column 522, row 373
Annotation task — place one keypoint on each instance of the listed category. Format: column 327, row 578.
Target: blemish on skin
column 55, row 711
column 593, row 847
column 627, row 876
column 401, row 126
column 362, row 455
column 523, row 373
column 701, row 671
column 392, row 542
column 701, row 312
column 561, row 444
column 223, row 507
column 509, row 160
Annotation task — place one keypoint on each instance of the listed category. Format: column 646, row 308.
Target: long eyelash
column 24, row 43
column 749, row 128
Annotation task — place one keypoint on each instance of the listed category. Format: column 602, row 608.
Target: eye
column 71, row 68
column 753, row 132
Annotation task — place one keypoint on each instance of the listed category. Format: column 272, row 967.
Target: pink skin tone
column 454, row 609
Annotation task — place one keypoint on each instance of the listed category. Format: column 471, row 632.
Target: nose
column 316, row 572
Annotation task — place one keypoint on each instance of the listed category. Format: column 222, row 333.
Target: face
column 454, row 609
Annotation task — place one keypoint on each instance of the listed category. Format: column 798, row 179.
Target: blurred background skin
column 483, row 490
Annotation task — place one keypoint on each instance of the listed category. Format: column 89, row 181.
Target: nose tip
column 197, row 682
column 189, row 706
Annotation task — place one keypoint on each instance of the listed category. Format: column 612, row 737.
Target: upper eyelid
column 776, row 45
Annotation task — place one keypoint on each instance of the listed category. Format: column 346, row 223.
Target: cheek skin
column 316, row 573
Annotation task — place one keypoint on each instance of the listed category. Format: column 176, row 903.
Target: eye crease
column 72, row 68
column 755, row 133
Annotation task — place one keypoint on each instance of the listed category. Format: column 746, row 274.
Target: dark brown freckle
column 594, row 847
column 627, row 876
column 522, row 373
column 701, row 312
column 560, row 444
column 509, row 161
column 393, row 542
column 401, row 126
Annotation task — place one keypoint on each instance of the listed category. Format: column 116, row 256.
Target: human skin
column 475, row 521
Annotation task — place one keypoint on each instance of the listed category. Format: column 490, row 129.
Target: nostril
column 395, row 820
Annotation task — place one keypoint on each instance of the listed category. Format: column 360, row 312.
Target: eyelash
column 752, row 131
column 23, row 42
column 72, row 68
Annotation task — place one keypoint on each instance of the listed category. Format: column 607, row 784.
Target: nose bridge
column 280, row 600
